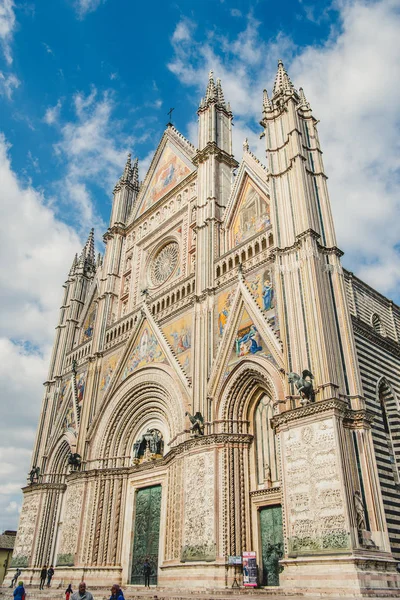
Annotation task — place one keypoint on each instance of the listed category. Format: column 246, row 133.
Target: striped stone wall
column 376, row 323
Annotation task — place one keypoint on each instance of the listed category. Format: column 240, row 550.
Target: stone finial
column 135, row 174
column 128, row 169
column 282, row 80
column 304, row 104
column 89, row 248
column 210, row 92
column 267, row 105
column 220, row 94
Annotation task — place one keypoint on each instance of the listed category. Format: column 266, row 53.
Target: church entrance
column 146, row 533
column 272, row 544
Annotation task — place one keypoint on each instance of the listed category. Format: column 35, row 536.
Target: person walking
column 146, row 573
column 19, row 592
column 82, row 593
column 15, row 578
column 68, row 592
column 116, row 593
column 43, row 575
column 50, row 573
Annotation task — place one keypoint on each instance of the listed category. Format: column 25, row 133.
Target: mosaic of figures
column 146, row 350
column 80, row 385
column 262, row 287
column 247, row 342
column 108, row 368
column 88, row 325
column 69, row 419
column 170, row 170
column 179, row 335
column 253, row 215
column 223, row 308
column 64, row 389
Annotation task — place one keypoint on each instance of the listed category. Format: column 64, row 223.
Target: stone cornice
column 211, row 149
column 312, row 409
column 369, row 333
column 42, row 487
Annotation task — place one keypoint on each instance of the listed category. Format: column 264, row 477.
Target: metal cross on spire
column 169, row 113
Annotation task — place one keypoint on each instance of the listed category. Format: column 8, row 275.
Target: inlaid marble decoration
column 146, row 350
column 262, row 287
column 170, row 170
column 64, row 389
column 107, row 370
column 179, row 335
column 253, row 215
column 314, row 495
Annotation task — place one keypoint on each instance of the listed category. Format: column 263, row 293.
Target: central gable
column 171, row 167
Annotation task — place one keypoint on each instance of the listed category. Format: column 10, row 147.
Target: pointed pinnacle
column 128, row 168
column 282, row 80
column 135, row 174
column 220, row 93
column 210, row 93
column 89, row 248
column 303, row 100
column 267, row 106
column 74, row 263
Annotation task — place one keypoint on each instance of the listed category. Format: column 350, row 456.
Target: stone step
column 140, row 593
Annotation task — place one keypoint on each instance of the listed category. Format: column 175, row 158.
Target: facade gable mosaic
column 179, row 335
column 172, row 166
column 245, row 334
column 107, row 369
column 145, row 351
column 252, row 214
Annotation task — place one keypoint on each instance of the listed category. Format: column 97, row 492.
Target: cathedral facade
column 219, row 384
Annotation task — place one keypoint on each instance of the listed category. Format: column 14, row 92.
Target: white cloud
column 52, row 113
column 83, row 7
column 183, row 31
column 13, row 507
column 37, row 250
column 94, row 148
column 7, row 25
column 351, row 83
column 48, row 49
column 235, row 12
column 8, row 83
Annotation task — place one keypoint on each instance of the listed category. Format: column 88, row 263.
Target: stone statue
column 267, row 474
column 75, row 460
column 34, row 475
column 156, row 442
column 197, row 422
column 360, row 511
column 136, row 448
column 304, row 386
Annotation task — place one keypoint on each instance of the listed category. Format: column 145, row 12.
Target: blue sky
column 82, row 82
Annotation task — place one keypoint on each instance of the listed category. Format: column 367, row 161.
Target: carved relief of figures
column 127, row 282
column 360, row 511
column 128, row 262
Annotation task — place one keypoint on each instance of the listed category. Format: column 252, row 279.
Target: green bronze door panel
column 146, row 533
column 272, row 543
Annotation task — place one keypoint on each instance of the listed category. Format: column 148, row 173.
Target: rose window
column 164, row 263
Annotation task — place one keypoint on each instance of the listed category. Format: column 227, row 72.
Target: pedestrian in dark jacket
column 15, row 578
column 19, row 592
column 50, row 573
column 68, row 592
column 116, row 593
column 146, row 573
column 43, row 575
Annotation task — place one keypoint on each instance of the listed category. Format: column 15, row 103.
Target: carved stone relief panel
column 26, row 529
column 314, row 496
column 70, row 526
column 198, row 528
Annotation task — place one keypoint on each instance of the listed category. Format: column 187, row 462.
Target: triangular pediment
column 171, row 164
column 147, row 347
column 245, row 334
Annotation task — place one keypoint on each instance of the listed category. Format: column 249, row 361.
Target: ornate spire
column 304, row 104
column 128, row 169
column 220, row 94
column 267, row 106
column 89, row 248
column 135, row 174
column 73, row 266
column 282, row 80
column 210, row 92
